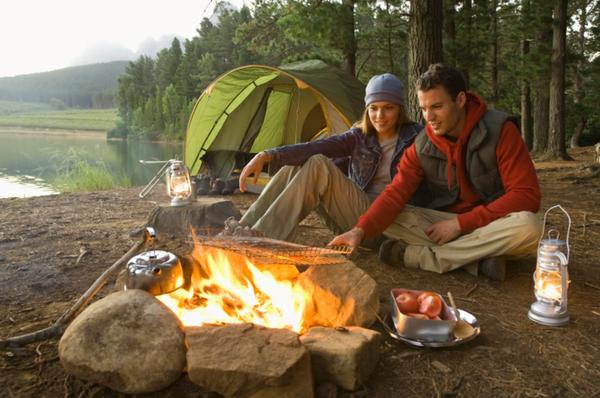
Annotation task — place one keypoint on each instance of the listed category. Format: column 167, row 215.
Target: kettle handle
column 554, row 230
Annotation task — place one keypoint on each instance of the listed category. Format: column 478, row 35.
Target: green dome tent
column 255, row 107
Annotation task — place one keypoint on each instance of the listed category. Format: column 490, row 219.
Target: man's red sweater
column 522, row 191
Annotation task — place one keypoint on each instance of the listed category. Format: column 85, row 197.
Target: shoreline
column 50, row 131
column 71, row 132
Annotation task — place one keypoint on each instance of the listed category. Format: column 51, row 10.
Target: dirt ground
column 42, row 238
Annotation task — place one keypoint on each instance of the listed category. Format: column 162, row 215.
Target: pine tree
column 556, row 138
column 425, row 46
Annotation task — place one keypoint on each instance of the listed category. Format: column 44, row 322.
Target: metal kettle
column 156, row 271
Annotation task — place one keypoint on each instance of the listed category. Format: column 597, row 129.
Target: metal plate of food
column 452, row 340
column 422, row 329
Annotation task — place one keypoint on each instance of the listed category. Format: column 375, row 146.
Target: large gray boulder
column 339, row 295
column 127, row 341
column 248, row 360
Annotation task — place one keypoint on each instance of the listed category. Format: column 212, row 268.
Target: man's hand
column 444, row 231
column 254, row 167
column 351, row 239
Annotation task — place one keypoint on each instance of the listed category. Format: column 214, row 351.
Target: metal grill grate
column 271, row 251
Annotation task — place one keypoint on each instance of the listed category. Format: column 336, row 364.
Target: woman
column 308, row 180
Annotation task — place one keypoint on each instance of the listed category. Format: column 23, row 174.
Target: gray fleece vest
column 480, row 163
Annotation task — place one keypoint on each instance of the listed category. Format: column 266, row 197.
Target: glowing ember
column 228, row 288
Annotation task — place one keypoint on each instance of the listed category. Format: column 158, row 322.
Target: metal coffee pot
column 156, row 271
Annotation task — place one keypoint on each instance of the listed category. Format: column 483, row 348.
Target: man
column 483, row 189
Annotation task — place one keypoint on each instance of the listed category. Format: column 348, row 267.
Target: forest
column 87, row 86
column 537, row 59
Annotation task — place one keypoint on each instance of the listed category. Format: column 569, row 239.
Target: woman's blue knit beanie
column 386, row 87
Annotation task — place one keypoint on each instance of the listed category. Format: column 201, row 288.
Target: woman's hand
column 254, row 167
column 351, row 239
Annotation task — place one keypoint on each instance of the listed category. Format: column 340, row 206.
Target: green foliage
column 121, row 131
column 156, row 95
column 89, row 86
column 72, row 119
column 11, row 107
column 77, row 175
column 57, row 104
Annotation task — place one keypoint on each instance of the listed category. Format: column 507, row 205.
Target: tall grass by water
column 78, row 175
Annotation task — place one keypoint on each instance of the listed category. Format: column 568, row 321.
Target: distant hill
column 87, row 86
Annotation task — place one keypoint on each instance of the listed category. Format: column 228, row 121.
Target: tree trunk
column 349, row 47
column 390, row 48
column 468, row 11
column 556, row 138
column 579, row 87
column 424, row 46
column 541, row 83
column 450, row 32
column 526, row 122
column 494, row 55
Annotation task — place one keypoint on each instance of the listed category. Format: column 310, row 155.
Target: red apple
column 423, row 295
column 407, row 302
column 431, row 306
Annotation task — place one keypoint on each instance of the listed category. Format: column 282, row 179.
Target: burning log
column 61, row 323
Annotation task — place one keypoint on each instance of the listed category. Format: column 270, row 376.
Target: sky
column 43, row 35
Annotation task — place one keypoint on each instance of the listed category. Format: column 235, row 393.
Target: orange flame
column 228, row 288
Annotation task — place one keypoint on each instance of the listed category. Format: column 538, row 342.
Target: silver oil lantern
column 551, row 277
column 179, row 184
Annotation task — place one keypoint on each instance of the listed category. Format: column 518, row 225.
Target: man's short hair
column 442, row 75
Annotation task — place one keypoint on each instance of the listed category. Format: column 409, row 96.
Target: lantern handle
column 551, row 230
column 146, row 190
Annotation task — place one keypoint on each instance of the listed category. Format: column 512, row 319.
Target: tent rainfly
column 256, row 107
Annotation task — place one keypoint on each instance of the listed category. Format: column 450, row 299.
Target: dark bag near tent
column 253, row 108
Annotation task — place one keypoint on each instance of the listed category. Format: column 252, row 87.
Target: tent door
column 220, row 164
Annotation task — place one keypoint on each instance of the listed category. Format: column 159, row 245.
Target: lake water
column 29, row 161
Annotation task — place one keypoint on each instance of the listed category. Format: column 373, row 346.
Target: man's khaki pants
column 319, row 185
column 514, row 235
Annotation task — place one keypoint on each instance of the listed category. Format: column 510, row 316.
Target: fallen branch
column 470, row 300
column 83, row 252
column 471, row 290
column 592, row 286
column 61, row 323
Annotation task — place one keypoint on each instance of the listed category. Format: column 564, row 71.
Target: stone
column 127, row 341
column 326, row 390
column 339, row 295
column 243, row 359
column 300, row 384
column 205, row 215
column 346, row 356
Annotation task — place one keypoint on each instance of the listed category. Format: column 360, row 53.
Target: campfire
column 228, row 288
column 259, row 316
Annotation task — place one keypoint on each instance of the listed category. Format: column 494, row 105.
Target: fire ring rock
column 249, row 360
column 339, row 295
column 127, row 341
